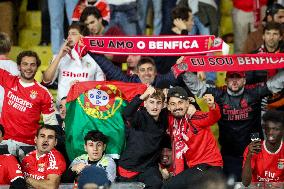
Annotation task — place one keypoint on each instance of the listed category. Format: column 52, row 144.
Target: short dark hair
column 273, row 26
column 48, row 127
column 29, row 54
column 275, row 116
column 92, row 10
column 209, row 179
column 146, row 60
column 2, row 130
column 272, row 10
column 181, row 12
column 78, row 26
column 95, row 136
column 5, row 43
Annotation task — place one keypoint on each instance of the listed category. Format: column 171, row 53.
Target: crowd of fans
column 168, row 140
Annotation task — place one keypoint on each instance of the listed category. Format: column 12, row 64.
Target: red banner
column 176, row 45
column 242, row 62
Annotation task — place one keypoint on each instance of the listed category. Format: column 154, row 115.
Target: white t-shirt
column 11, row 67
column 71, row 69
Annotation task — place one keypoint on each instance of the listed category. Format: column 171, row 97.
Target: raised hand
column 209, row 99
column 65, row 48
column 149, row 91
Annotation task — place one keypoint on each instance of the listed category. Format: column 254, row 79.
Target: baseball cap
column 178, row 92
column 93, row 175
column 272, row 9
column 232, row 73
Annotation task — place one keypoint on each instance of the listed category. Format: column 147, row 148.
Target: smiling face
column 28, row 68
column 146, row 73
column 45, row 141
column 273, row 131
column 177, row 106
column 166, row 157
column 95, row 149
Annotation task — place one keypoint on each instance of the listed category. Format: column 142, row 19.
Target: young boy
column 95, row 145
column 145, row 129
column 263, row 160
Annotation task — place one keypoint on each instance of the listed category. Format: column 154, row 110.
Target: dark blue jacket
column 113, row 72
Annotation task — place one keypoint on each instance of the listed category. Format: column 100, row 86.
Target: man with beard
column 264, row 160
column 24, row 101
column 69, row 67
column 240, row 108
column 44, row 166
column 272, row 36
column 274, row 13
column 193, row 143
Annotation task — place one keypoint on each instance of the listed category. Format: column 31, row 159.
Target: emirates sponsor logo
column 37, row 177
column 237, row 114
column 71, row 74
column 17, row 102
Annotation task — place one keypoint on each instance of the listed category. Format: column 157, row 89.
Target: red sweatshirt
column 202, row 146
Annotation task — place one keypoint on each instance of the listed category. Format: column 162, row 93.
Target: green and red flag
column 97, row 105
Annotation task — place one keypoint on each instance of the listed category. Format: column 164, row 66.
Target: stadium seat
column 226, row 7
column 29, row 37
column 44, row 53
column 226, row 25
column 124, row 67
column 15, row 50
column 33, row 19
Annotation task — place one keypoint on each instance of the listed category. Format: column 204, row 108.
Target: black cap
column 178, row 92
column 272, row 9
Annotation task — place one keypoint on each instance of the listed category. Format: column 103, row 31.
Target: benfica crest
column 33, row 94
column 280, row 164
column 41, row 167
column 102, row 102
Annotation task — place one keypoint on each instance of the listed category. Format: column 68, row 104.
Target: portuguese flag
column 97, row 105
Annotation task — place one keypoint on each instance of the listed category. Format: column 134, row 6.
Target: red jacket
column 202, row 146
column 248, row 5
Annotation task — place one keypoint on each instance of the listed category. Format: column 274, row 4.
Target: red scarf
column 178, row 130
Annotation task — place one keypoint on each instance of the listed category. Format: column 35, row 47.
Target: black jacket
column 240, row 113
column 144, row 136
